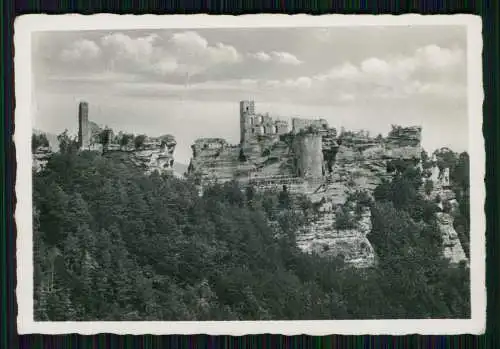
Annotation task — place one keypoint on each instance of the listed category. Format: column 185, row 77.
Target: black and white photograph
column 262, row 174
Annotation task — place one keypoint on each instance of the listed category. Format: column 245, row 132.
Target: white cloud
column 436, row 57
column 375, row 66
column 285, row 58
column 345, row 71
column 302, row 82
column 261, row 56
column 137, row 48
column 398, row 76
column 222, row 53
column 429, row 58
column 276, row 57
column 424, row 72
column 181, row 53
column 81, row 49
column 192, row 49
column 189, row 40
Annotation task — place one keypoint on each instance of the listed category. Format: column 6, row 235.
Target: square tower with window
column 247, row 114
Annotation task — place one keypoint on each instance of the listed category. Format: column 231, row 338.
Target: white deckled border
column 27, row 24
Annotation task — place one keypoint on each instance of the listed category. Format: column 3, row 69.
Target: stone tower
column 247, row 112
column 84, row 133
column 308, row 156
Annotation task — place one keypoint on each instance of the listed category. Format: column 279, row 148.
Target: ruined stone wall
column 300, row 124
column 254, row 124
column 281, row 127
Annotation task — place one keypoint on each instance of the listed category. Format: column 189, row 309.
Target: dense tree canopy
column 112, row 243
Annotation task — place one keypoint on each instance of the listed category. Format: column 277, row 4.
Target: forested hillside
column 111, row 243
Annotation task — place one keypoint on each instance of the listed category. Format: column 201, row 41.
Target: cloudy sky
column 188, row 82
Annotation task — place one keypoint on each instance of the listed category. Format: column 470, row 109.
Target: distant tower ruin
column 247, row 112
column 84, row 133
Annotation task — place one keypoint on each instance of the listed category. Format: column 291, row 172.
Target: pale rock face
column 40, row 158
column 351, row 245
column 434, row 175
column 154, row 160
column 359, row 163
column 445, row 177
column 156, row 155
column 406, row 152
column 452, row 248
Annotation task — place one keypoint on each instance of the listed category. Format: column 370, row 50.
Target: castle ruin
column 312, row 160
column 150, row 153
column 254, row 124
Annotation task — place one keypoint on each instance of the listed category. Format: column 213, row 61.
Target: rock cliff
column 155, row 154
column 40, row 157
column 323, row 166
column 452, row 248
column 351, row 245
column 443, row 195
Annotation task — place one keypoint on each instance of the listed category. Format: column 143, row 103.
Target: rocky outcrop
column 444, row 196
column 452, row 248
column 40, row 157
column 350, row 245
column 319, row 164
column 154, row 155
column 403, row 143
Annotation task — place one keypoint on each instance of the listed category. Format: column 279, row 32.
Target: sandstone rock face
column 40, row 158
column 156, row 154
column 153, row 160
column 260, row 159
column 452, row 248
column 325, row 168
column 351, row 245
column 403, row 143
